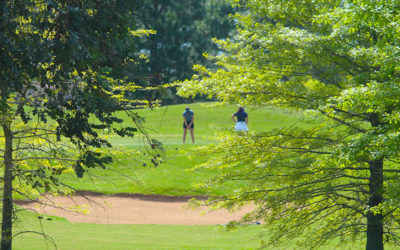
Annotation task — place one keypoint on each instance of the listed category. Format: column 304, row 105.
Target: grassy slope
column 171, row 178
column 165, row 123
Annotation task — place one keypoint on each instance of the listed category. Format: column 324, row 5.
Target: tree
column 339, row 60
column 184, row 31
column 63, row 66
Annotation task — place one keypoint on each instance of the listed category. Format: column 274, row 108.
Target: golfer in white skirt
column 241, row 119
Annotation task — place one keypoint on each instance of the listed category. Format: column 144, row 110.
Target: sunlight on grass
column 172, row 177
column 100, row 236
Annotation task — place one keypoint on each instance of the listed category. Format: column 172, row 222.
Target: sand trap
column 130, row 209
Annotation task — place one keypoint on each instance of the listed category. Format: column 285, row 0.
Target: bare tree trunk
column 375, row 220
column 6, row 225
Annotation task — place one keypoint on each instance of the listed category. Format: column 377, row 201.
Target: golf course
column 201, row 124
column 128, row 178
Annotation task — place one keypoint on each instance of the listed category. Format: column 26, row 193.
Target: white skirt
column 241, row 126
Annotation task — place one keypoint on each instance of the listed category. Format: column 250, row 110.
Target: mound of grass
column 131, row 173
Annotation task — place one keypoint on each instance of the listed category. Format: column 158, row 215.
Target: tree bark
column 6, row 225
column 375, row 220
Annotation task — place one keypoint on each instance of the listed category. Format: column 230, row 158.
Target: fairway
column 173, row 177
column 165, row 123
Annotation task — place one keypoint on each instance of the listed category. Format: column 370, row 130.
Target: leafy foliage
column 184, row 30
column 63, row 73
column 75, row 51
column 337, row 59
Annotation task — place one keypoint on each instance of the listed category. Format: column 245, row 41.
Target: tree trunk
column 6, row 225
column 375, row 220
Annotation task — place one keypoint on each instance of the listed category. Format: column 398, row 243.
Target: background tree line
column 184, row 32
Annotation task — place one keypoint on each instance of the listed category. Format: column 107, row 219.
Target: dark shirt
column 188, row 114
column 241, row 116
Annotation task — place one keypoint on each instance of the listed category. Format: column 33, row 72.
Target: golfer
column 188, row 119
column 241, row 119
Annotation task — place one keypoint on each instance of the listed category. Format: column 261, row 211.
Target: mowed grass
column 133, row 173
column 166, row 123
column 128, row 175
column 67, row 235
column 82, row 236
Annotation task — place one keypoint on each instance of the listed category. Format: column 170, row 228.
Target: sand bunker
column 130, row 209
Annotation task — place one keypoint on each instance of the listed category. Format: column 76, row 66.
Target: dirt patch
column 130, row 209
